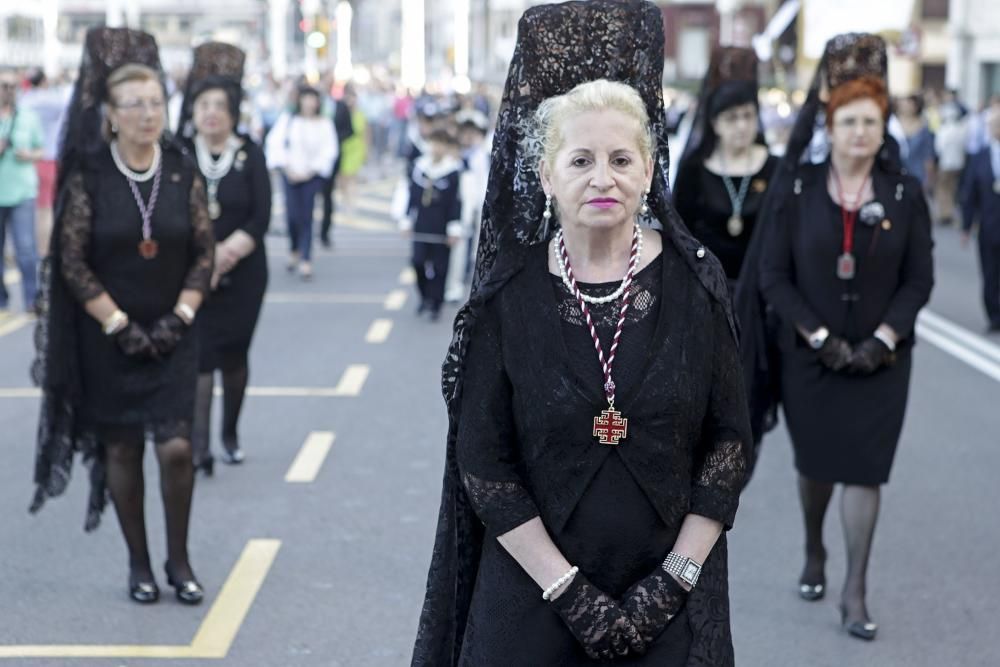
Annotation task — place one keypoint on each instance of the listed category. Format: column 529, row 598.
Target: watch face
column 691, row 571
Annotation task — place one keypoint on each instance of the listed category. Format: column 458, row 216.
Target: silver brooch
column 872, row 213
column 700, row 254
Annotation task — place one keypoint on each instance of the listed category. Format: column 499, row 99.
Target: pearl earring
column 644, row 209
column 547, row 213
column 114, row 129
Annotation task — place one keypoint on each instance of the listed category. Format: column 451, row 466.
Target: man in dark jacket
column 344, row 129
column 981, row 203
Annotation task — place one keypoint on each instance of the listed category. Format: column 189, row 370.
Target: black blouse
column 703, row 202
column 893, row 251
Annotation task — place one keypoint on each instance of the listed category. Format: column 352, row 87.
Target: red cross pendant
column 610, row 427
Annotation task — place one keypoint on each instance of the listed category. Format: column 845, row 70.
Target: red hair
column 862, row 88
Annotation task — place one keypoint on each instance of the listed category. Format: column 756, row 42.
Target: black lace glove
column 835, row 353
column 652, row 602
column 134, row 342
column 167, row 332
column 597, row 621
column 870, row 355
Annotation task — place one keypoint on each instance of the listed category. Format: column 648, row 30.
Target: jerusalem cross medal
column 610, row 427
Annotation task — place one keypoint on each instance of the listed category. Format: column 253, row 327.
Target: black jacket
column 980, row 201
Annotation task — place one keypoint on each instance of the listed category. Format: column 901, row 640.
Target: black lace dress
column 525, row 449
column 227, row 321
column 100, row 233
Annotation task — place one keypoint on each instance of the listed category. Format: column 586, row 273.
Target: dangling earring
column 644, row 209
column 547, row 213
column 114, row 129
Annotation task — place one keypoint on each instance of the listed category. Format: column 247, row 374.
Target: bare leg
column 859, row 511
column 177, row 486
column 125, row 481
column 815, row 498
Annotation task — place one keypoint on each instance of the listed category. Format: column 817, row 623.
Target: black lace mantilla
column 558, row 47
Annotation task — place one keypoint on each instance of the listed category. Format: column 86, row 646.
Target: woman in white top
column 303, row 147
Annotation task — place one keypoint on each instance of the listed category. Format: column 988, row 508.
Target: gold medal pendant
column 214, row 210
column 735, row 225
column 610, row 427
column 148, row 248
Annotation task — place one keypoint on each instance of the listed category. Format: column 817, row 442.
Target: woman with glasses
column 131, row 263
column 847, row 265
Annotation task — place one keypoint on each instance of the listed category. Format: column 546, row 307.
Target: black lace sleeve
column 721, row 463
column 199, row 276
column 75, row 242
column 486, row 449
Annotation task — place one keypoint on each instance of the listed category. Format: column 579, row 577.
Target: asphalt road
column 330, row 570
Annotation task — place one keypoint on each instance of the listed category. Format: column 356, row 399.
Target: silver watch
column 819, row 337
column 685, row 568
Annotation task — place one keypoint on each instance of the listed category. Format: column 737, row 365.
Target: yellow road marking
column 350, row 385
column 224, row 619
column 291, row 297
column 13, row 323
column 396, row 300
column 378, row 332
column 216, row 634
column 367, row 224
column 310, row 458
column 407, row 276
column 376, row 205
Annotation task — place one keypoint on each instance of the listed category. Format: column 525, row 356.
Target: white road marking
column 379, row 331
column 407, row 276
column 13, row 323
column 310, row 458
column 959, row 351
column 353, row 379
column 396, row 300
column 293, row 297
column 961, row 334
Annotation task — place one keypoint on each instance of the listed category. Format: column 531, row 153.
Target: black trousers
column 989, row 264
column 328, row 204
column 430, row 262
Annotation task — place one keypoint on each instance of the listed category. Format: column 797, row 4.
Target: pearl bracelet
column 185, row 312
column 560, row 583
column 117, row 321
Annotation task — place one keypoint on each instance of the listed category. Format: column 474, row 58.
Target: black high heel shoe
column 205, row 467
column 188, row 592
column 143, row 592
column 811, row 591
column 865, row 630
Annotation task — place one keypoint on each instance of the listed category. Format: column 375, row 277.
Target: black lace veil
column 558, row 47
column 731, row 67
column 846, row 57
column 55, row 369
column 215, row 65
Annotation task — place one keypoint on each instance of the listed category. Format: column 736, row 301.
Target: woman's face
column 138, row 110
column 857, row 129
column 598, row 175
column 308, row 105
column 211, row 113
column 736, row 127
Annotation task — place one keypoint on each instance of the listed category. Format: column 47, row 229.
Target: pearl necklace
column 138, row 177
column 595, row 299
column 214, row 169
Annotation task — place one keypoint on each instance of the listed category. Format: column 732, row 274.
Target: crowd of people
column 593, row 520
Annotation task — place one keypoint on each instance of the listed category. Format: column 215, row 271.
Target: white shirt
column 302, row 145
column 995, row 158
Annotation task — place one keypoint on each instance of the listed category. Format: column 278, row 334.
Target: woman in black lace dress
column 601, row 482
column 847, row 265
column 239, row 203
column 132, row 258
column 724, row 174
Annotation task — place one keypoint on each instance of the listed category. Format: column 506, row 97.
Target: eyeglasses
column 144, row 105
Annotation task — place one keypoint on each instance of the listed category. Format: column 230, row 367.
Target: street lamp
column 344, row 69
column 412, row 67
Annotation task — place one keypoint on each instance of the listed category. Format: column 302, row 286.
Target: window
column 935, row 9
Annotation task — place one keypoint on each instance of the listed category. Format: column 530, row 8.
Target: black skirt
column 228, row 319
column 844, row 428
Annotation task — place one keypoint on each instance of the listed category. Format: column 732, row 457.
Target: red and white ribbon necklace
column 609, row 426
